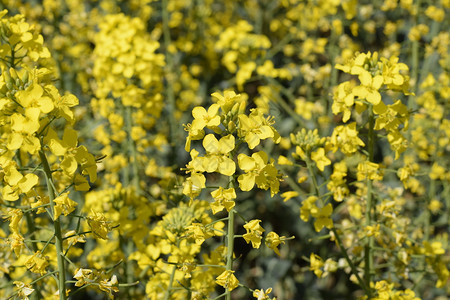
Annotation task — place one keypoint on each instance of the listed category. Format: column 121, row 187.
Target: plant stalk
column 57, row 228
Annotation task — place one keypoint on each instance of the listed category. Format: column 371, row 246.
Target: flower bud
column 242, row 106
column 231, row 126
column 13, row 73
column 235, row 109
column 25, row 77
column 9, row 84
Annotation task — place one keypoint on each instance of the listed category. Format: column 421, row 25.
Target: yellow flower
column 254, row 128
column 288, row 195
column 203, row 118
column 16, row 242
column 397, row 142
column 194, row 184
column 24, row 290
column 63, row 205
column 73, row 155
column 316, row 263
column 284, row 161
column 273, row 240
column 345, row 138
column 230, row 101
column 33, row 96
column 100, row 226
column 319, row 157
column 223, row 198
column 227, row 280
column 23, row 129
column 83, row 276
column 437, row 172
column 254, row 233
column 63, row 105
column 199, row 232
column 258, row 171
column 72, row 237
column 16, row 183
column 322, row 216
column 14, row 216
column 368, row 170
column 307, row 205
column 261, row 295
column 369, row 87
column 36, row 263
column 432, row 249
column 391, row 116
column 217, row 151
column 109, row 286
column 435, row 206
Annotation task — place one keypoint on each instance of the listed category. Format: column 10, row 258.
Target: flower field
column 205, row 149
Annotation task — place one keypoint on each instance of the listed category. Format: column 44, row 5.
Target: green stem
column 351, row 264
column 315, row 186
column 57, row 228
column 135, row 182
column 132, row 151
column 368, row 248
column 169, row 288
column 230, row 247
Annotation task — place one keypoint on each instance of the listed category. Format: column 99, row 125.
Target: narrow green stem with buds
column 57, row 228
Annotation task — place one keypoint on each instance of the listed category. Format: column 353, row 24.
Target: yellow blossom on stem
column 227, row 280
column 316, row 263
column 320, row 159
column 369, row 88
column 307, row 205
column 72, row 237
column 368, row 170
column 36, row 263
column 254, row 128
column 14, row 216
column 254, row 233
column 100, row 226
column 273, row 240
column 259, row 172
column 194, row 184
column 24, row 290
column 261, row 294
column 63, row 205
column 199, row 232
column 16, row 242
column 322, row 216
column 83, row 276
column 345, row 138
column 216, row 158
column 203, row 118
column 109, row 286
column 223, row 198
